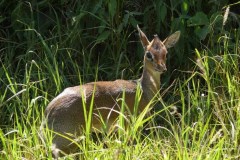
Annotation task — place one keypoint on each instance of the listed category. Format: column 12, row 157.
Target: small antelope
column 65, row 113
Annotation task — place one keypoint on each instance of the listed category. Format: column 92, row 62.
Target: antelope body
column 65, row 113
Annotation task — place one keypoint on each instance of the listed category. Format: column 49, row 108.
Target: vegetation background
column 48, row 45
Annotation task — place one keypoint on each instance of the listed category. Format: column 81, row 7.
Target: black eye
column 149, row 56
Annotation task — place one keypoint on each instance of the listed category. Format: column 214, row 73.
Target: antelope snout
column 161, row 67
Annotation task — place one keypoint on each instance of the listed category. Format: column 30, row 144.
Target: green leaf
column 202, row 32
column 103, row 36
column 2, row 19
column 78, row 18
column 112, row 7
column 133, row 21
column 125, row 18
column 185, row 7
column 200, row 18
column 120, row 28
column 163, row 13
column 97, row 7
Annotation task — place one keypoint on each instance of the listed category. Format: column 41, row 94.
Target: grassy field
column 46, row 47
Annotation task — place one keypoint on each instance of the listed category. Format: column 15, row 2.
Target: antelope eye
column 149, row 56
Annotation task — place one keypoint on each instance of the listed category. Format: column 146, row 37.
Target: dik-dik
column 65, row 113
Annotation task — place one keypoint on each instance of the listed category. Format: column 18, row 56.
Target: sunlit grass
column 206, row 93
column 207, row 129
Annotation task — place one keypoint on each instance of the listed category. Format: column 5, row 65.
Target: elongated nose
column 163, row 67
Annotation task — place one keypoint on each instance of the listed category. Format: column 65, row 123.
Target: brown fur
column 65, row 114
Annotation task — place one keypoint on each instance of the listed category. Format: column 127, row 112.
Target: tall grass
column 46, row 47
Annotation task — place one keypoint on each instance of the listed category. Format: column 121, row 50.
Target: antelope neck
column 150, row 82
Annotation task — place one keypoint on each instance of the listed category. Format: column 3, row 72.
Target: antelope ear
column 172, row 39
column 143, row 38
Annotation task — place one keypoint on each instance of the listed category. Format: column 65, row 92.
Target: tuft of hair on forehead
column 156, row 43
